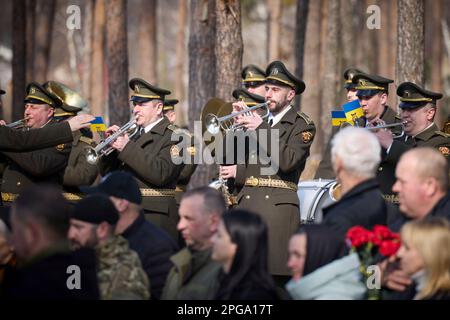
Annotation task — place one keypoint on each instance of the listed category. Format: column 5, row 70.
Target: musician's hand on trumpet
column 120, row 143
column 385, row 136
column 2, row 123
column 250, row 120
column 227, row 172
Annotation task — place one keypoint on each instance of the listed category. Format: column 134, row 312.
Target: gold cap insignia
column 406, row 94
column 250, row 74
column 274, row 71
column 136, row 88
column 33, row 90
column 445, row 151
column 306, row 136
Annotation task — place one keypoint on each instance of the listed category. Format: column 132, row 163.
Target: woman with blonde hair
column 425, row 256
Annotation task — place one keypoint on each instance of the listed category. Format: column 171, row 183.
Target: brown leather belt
column 272, row 183
column 11, row 197
column 149, row 192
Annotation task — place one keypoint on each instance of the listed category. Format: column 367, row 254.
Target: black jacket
column 363, row 205
column 154, row 247
column 47, row 277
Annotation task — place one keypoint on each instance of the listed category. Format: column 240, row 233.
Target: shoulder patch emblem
column 305, row 117
column 60, row 147
column 306, row 136
column 445, row 151
column 175, row 151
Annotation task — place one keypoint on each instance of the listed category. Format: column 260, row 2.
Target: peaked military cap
column 36, row 94
column 250, row 99
column 169, row 104
column 70, row 102
column 252, row 76
column 412, row 96
column 277, row 73
column 349, row 73
column 144, row 91
column 369, row 85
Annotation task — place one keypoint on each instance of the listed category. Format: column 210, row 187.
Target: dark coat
column 363, row 205
column 15, row 140
column 149, row 160
column 431, row 137
column 249, row 289
column 278, row 207
column 154, row 247
column 46, row 277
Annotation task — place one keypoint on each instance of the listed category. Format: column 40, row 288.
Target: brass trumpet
column 104, row 148
column 17, row 124
column 391, row 125
column 213, row 123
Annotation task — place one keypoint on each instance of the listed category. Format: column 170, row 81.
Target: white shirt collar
column 152, row 125
column 279, row 116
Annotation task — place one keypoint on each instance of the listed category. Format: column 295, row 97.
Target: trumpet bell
column 91, row 156
column 212, row 124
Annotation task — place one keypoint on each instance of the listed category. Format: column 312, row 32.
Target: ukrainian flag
column 337, row 118
column 97, row 125
column 353, row 111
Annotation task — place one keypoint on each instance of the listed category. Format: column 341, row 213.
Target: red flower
column 382, row 232
column 358, row 236
column 389, row 247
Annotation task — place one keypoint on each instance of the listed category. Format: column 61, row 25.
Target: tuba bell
column 65, row 95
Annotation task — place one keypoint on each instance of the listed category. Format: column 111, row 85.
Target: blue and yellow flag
column 353, row 111
column 97, row 125
column 337, row 118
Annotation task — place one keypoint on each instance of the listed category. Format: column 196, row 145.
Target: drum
column 315, row 195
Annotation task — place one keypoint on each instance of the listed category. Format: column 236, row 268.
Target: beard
column 90, row 242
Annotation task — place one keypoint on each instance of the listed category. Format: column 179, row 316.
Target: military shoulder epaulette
column 446, row 135
column 172, row 127
column 178, row 130
column 305, row 117
column 398, row 117
column 87, row 140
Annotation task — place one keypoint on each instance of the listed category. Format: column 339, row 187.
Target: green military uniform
column 78, row 172
column 194, row 276
column 274, row 196
column 24, row 169
column 411, row 97
column 325, row 169
column 120, row 273
column 148, row 156
column 188, row 168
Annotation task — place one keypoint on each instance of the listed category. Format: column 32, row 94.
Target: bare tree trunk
column 148, row 41
column 391, row 43
column 300, row 38
column 19, row 58
column 180, row 61
column 117, row 61
column 45, row 15
column 348, row 36
column 228, row 48
column 330, row 88
column 410, row 54
column 98, row 60
column 30, row 18
column 311, row 96
column 274, row 32
column 88, row 40
column 202, row 70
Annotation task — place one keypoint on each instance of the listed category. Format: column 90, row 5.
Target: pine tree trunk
column 311, row 96
column 410, row 53
column 19, row 58
column 300, row 39
column 228, row 48
column 45, row 16
column 98, row 60
column 330, row 89
column 88, row 27
column 202, row 70
column 148, row 41
column 30, row 18
column 180, row 62
column 117, row 61
column 274, row 31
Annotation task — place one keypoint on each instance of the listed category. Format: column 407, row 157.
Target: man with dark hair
column 120, row 274
column 39, row 237
column 194, row 274
column 153, row 245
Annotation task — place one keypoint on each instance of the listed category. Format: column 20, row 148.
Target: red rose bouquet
column 368, row 244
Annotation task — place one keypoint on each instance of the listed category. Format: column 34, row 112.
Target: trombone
column 391, row 125
column 213, row 123
column 104, row 148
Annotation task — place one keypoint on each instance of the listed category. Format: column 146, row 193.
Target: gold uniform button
column 380, row 169
column 18, row 184
column 267, row 196
column 247, row 197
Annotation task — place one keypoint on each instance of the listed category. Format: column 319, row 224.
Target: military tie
column 410, row 141
column 140, row 132
column 271, row 122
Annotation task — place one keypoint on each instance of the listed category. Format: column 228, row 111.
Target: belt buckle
column 253, row 182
